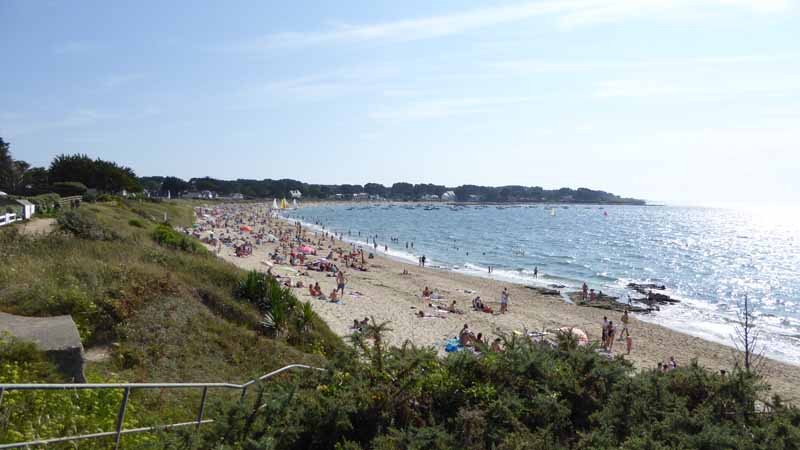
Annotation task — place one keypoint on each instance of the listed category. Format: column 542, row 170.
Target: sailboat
column 553, row 212
column 294, row 204
column 284, row 205
column 274, row 203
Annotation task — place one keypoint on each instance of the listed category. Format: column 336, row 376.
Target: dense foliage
column 531, row 396
column 398, row 191
column 105, row 176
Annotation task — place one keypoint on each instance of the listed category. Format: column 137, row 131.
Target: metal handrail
column 117, row 434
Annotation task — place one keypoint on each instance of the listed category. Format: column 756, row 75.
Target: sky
column 676, row 101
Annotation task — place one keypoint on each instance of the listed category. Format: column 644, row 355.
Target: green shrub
column 89, row 197
column 136, row 223
column 45, row 203
column 106, row 198
column 531, row 396
column 85, row 226
column 166, row 236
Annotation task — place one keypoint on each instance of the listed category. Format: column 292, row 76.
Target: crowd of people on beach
column 245, row 228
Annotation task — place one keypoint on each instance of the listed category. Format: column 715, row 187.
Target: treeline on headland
column 401, row 191
column 75, row 174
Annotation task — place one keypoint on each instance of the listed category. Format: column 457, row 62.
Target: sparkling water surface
column 709, row 258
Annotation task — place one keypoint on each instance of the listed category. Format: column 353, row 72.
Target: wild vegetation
column 163, row 314
column 531, row 396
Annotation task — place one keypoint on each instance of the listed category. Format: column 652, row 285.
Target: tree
column 12, row 172
column 98, row 174
column 174, row 185
column 746, row 336
column 37, row 178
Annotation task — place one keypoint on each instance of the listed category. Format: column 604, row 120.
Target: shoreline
column 387, row 295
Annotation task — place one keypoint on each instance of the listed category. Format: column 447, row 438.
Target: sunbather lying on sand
column 437, row 315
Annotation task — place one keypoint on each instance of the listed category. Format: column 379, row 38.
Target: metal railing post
column 1, row 396
column 244, row 392
column 121, row 417
column 202, row 407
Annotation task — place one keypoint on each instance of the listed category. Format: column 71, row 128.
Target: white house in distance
column 449, row 196
column 295, row 193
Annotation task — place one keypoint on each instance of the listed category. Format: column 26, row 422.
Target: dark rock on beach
column 644, row 288
column 606, row 302
column 544, row 291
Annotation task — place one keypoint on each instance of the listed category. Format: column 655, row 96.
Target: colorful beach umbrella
column 306, row 249
column 245, row 228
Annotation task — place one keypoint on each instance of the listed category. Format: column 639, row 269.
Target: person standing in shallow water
column 535, row 272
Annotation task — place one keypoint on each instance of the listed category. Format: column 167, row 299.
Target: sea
column 708, row 258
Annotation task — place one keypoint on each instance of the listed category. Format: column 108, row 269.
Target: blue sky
column 683, row 101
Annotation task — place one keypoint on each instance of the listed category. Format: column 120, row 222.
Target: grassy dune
column 166, row 314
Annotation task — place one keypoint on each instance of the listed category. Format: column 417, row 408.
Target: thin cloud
column 541, row 65
column 655, row 88
column 566, row 13
column 443, row 108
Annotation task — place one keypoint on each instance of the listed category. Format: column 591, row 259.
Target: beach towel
column 452, row 345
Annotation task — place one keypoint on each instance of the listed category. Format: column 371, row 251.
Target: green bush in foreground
column 531, row 396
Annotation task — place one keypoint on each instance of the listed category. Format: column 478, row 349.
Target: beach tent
column 294, row 203
column 284, row 205
column 274, row 203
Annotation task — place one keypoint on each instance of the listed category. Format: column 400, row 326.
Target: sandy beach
column 387, row 294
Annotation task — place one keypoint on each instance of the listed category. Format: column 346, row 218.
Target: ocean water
column 709, row 258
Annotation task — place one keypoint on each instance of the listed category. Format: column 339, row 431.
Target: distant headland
column 401, row 191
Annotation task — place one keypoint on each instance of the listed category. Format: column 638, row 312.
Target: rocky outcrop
column 56, row 336
column 544, row 291
column 603, row 301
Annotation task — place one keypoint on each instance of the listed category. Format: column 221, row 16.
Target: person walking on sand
column 340, row 281
column 604, row 337
column 504, row 301
column 584, row 291
column 628, row 344
column 611, row 332
column 423, row 260
column 624, row 319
